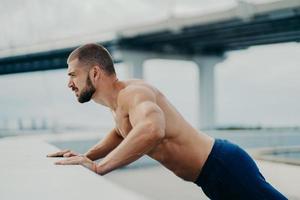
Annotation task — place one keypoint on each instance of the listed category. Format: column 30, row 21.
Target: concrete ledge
column 26, row 172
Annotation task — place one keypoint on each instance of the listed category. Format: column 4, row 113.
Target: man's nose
column 70, row 84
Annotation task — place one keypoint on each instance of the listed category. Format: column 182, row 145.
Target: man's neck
column 108, row 96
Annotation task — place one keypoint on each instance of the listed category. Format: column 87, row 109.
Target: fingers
column 76, row 160
column 59, row 153
column 63, row 153
column 70, row 154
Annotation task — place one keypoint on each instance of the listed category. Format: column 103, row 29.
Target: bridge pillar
column 134, row 61
column 136, row 69
column 206, row 66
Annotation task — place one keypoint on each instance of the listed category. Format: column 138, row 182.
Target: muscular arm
column 105, row 146
column 148, row 126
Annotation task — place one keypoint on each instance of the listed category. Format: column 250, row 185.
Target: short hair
column 94, row 54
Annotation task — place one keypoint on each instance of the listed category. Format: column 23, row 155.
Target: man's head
column 86, row 65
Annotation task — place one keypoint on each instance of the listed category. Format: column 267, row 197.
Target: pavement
column 26, row 172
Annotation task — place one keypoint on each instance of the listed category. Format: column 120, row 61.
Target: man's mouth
column 75, row 91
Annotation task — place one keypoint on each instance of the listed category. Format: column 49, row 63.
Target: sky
column 261, row 85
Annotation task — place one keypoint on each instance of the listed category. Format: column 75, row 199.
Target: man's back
column 183, row 149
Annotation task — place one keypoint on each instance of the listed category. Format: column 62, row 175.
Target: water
column 291, row 155
column 260, row 138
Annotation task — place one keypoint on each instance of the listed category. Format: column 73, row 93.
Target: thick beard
column 87, row 92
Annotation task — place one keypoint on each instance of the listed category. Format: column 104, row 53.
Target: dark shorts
column 230, row 173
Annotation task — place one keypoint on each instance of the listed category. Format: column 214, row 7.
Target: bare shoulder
column 137, row 92
column 138, row 100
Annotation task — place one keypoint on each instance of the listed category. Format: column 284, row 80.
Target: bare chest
column 122, row 122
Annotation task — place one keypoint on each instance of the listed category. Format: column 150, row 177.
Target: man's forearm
column 138, row 142
column 105, row 146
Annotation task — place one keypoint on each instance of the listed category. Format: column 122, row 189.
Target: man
column 147, row 124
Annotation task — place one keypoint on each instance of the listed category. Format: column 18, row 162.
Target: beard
column 87, row 92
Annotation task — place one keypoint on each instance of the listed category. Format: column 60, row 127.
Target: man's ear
column 95, row 73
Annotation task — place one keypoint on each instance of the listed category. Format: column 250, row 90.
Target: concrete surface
column 26, row 173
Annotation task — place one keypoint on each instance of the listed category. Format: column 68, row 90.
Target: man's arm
column 148, row 128
column 104, row 146
column 100, row 150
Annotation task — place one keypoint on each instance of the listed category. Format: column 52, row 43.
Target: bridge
column 202, row 38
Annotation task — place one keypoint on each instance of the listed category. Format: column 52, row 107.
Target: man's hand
column 79, row 160
column 63, row 153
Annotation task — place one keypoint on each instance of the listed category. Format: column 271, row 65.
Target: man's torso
column 183, row 150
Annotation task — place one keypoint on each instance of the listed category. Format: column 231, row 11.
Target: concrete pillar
column 206, row 66
column 20, row 124
column 134, row 60
column 135, row 68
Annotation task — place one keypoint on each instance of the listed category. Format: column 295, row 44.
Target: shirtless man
column 147, row 124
